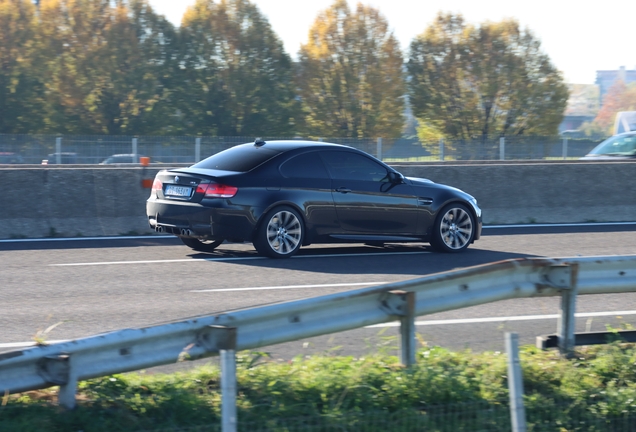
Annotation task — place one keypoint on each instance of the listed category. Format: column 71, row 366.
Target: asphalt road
column 92, row 286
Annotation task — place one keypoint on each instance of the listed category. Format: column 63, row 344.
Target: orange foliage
column 620, row 97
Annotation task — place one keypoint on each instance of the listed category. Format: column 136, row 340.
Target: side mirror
column 396, row 177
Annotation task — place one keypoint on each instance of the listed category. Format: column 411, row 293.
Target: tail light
column 216, row 190
column 156, row 186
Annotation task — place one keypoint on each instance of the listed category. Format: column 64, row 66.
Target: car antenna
column 258, row 142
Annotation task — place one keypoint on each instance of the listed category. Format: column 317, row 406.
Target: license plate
column 179, row 191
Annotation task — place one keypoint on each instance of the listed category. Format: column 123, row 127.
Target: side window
column 352, row 166
column 306, row 165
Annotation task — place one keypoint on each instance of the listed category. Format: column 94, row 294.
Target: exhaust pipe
column 186, row 232
column 159, row 229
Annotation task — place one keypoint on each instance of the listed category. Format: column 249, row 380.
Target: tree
column 350, row 76
column 236, row 78
column 104, row 61
column 619, row 97
column 20, row 89
column 484, row 81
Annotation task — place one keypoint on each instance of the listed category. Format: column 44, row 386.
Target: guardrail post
column 566, row 324
column 134, row 149
column 224, row 338
column 502, row 148
column 565, row 148
column 379, row 149
column 57, row 369
column 66, row 397
column 228, row 390
column 58, row 150
column 441, row 149
column 515, row 384
column 197, row 150
column 402, row 304
column 407, row 331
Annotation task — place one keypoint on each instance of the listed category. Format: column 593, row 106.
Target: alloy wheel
column 456, row 228
column 284, row 232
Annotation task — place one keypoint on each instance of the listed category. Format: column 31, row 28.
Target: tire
column 201, row 245
column 281, row 233
column 454, row 229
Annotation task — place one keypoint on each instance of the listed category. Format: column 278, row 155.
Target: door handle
column 343, row 190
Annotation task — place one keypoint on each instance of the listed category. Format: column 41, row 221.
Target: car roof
column 286, row 145
column 624, row 134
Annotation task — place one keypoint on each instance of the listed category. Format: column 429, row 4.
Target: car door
column 305, row 181
column 366, row 201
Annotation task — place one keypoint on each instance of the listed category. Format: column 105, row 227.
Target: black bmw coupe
column 281, row 195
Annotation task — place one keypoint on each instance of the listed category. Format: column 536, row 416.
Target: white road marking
column 367, row 254
column 28, row 344
column 190, row 260
column 504, row 319
column 421, row 323
column 291, row 287
column 558, row 225
column 31, row 240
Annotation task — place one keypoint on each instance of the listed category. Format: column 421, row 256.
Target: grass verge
column 445, row 391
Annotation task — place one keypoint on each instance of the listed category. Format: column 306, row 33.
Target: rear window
column 241, row 158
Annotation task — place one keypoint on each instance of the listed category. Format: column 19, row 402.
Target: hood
column 426, row 182
column 415, row 180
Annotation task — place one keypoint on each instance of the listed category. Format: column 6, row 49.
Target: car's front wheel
column 454, row 229
column 281, row 233
column 201, row 245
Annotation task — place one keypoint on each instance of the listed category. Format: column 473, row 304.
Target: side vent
column 424, row 201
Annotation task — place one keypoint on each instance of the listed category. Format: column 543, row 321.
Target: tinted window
column 241, row 158
column 306, row 165
column 353, row 166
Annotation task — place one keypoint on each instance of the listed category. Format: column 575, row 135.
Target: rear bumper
column 196, row 220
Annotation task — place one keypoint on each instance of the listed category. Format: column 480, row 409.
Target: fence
column 543, row 415
column 66, row 363
column 34, row 149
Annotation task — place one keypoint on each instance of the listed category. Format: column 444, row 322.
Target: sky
column 580, row 37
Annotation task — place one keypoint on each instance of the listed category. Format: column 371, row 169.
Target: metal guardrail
column 66, row 363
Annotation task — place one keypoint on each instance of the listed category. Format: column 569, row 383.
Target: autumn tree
column 20, row 89
column 481, row 81
column 350, row 76
column 619, row 97
column 104, row 63
column 236, row 78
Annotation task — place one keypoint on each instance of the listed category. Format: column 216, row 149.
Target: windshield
column 620, row 145
column 241, row 158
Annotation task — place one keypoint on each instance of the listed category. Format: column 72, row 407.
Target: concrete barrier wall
column 543, row 193
column 88, row 201
column 49, row 202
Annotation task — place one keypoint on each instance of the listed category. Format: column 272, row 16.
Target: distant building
column 583, row 105
column 605, row 79
column 625, row 122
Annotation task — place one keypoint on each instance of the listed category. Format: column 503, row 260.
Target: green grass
column 445, row 391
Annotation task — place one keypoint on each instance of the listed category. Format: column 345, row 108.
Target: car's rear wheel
column 454, row 229
column 281, row 233
column 201, row 245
